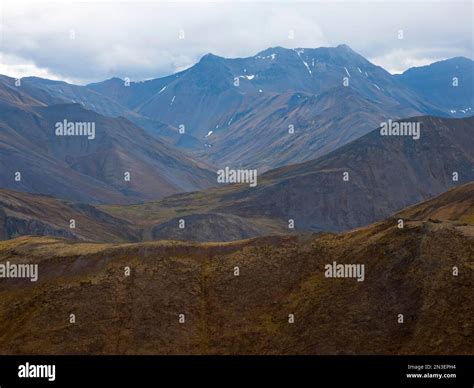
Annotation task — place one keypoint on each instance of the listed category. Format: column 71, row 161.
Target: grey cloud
column 140, row 40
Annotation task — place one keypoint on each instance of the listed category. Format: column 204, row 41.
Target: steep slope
column 407, row 271
column 29, row 214
column 448, row 83
column 320, row 124
column 385, row 174
column 90, row 170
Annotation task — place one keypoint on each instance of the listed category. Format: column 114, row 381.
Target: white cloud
column 141, row 40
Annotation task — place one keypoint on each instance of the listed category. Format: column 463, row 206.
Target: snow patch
column 345, row 68
column 172, row 100
column 271, row 56
column 299, row 52
column 162, row 89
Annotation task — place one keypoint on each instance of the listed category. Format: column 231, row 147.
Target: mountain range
column 237, row 113
column 330, row 95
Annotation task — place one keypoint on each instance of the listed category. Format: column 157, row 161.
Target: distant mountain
column 66, row 93
column 275, row 70
column 134, row 94
column 237, row 111
column 448, row 83
column 385, row 174
column 23, row 97
column 88, row 170
column 59, row 92
column 248, row 124
column 406, row 271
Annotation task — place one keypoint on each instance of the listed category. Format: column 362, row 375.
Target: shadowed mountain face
column 449, row 83
column 29, row 214
column 407, row 271
column 384, row 175
column 80, row 168
column 237, row 112
column 319, row 124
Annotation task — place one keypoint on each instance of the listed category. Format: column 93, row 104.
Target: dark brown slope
column 407, row 271
column 454, row 205
column 29, row 214
column 386, row 174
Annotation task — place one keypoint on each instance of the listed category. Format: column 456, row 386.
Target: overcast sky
column 84, row 42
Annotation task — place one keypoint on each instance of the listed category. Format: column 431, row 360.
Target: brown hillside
column 407, row 271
